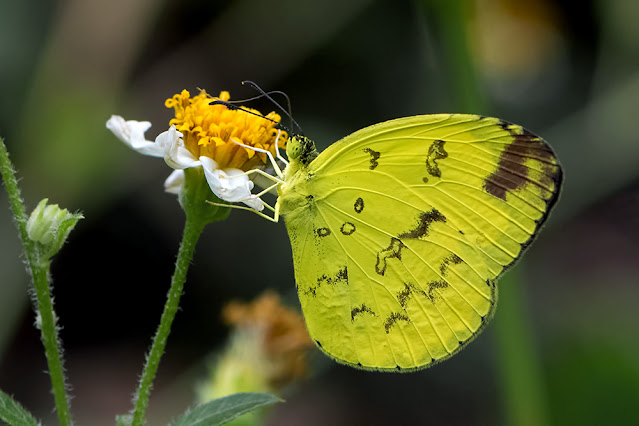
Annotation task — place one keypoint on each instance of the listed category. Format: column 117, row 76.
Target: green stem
column 192, row 231
column 523, row 396
column 17, row 207
column 49, row 336
column 39, row 268
column 452, row 18
column 520, row 367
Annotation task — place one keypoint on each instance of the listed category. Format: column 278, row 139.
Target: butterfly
column 400, row 230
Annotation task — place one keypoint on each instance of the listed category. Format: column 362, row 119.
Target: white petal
column 255, row 203
column 230, row 185
column 132, row 134
column 173, row 150
column 173, row 184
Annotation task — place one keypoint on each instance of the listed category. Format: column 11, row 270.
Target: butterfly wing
column 400, row 230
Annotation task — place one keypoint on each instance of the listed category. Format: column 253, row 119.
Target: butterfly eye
column 301, row 149
column 294, row 148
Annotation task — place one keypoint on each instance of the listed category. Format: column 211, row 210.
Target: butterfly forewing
column 405, row 227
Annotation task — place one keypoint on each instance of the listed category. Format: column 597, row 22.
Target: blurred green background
column 568, row 71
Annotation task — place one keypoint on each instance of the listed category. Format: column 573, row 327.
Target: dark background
column 566, row 70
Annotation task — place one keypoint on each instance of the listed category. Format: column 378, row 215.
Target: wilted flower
column 267, row 351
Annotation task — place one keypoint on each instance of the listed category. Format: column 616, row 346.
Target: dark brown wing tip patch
column 512, row 173
column 501, row 181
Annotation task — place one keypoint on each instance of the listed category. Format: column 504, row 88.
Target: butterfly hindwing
column 403, row 228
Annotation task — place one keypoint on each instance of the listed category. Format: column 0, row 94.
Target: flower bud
column 49, row 225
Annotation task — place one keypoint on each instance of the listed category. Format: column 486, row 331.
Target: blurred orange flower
column 267, row 350
column 284, row 337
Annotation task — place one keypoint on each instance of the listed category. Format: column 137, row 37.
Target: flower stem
column 520, row 371
column 49, row 336
column 39, row 268
column 17, row 207
column 192, row 230
column 520, row 366
column 451, row 24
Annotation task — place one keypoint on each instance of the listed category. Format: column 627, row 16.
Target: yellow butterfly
column 400, row 230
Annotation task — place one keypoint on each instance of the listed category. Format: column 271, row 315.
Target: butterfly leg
column 275, row 209
column 272, row 178
column 275, row 185
column 277, row 150
column 265, row 216
column 275, row 179
column 277, row 169
column 278, row 180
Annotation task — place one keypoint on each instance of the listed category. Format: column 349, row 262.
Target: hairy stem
column 49, row 336
column 39, row 268
column 192, row 231
column 17, row 206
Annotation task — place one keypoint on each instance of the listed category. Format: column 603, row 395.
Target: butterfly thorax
column 295, row 197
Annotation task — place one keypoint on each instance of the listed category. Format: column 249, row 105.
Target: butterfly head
column 301, row 149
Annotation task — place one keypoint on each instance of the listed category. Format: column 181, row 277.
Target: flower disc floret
column 210, row 130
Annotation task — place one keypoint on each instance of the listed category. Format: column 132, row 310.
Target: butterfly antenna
column 230, row 105
column 289, row 108
column 288, row 112
column 241, row 101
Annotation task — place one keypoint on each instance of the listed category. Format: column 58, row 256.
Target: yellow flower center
column 209, row 130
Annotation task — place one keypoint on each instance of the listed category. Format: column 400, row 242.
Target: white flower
column 174, row 182
column 229, row 184
column 132, row 134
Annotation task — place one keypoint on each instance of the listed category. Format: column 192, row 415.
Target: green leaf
column 225, row 409
column 13, row 413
